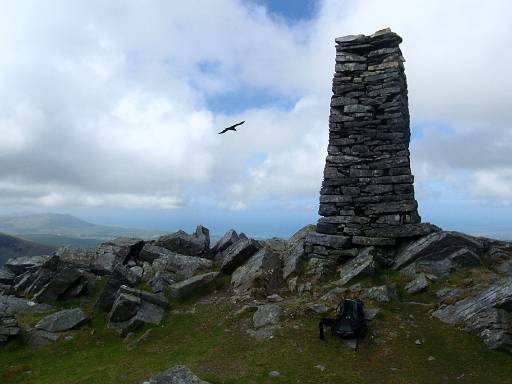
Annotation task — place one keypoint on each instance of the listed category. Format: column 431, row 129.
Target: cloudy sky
column 110, row 109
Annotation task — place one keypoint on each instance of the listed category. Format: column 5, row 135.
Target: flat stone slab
column 63, row 321
column 188, row 287
column 11, row 305
column 268, row 314
column 238, row 253
column 363, row 264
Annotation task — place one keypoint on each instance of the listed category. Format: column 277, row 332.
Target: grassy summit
column 209, row 337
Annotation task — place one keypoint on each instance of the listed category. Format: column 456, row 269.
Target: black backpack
column 349, row 323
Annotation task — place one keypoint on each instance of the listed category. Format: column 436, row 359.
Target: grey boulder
column 225, row 241
column 121, row 275
column 364, row 264
column 440, row 252
column 181, row 242
column 189, row 287
column 176, row 375
column 489, row 314
column 293, row 259
column 6, row 277
column 380, row 293
column 419, row 284
column 11, row 305
column 268, row 314
column 237, row 254
column 21, row 264
column 178, row 265
column 117, row 251
column 38, row 337
column 134, row 308
column 8, row 328
column 260, row 275
column 63, row 320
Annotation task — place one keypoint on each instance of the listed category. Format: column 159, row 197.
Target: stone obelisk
column 367, row 196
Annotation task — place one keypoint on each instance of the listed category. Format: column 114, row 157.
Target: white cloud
column 105, row 103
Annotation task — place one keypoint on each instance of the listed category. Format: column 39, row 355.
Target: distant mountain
column 68, row 226
column 62, row 241
column 11, row 246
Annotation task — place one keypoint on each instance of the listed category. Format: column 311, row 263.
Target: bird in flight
column 232, row 128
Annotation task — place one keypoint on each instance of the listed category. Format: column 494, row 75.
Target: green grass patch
column 214, row 344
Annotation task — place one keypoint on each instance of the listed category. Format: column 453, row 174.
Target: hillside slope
column 11, row 246
column 63, row 225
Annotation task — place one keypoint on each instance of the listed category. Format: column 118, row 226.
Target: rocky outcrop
column 103, row 259
column 6, row 277
column 133, row 308
column 189, row 287
column 121, row 275
column 55, row 280
column 176, row 375
column 181, row 242
column 238, row 253
column 8, row 328
column 229, row 238
column 293, row 259
column 364, row 264
column 418, row 284
column 265, row 321
column 63, row 320
column 440, row 253
column 488, row 313
column 179, row 266
column 260, row 275
column 37, row 337
column 22, row 264
column 117, row 251
column 268, row 314
column 294, row 256
column 11, row 305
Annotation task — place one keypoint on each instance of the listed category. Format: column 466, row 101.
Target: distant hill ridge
column 64, row 225
column 11, row 246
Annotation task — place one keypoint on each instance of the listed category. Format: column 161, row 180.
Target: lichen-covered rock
column 489, row 313
column 363, row 264
column 419, row 284
column 293, row 259
column 261, row 274
column 63, row 320
column 380, row 293
column 268, row 314
column 176, row 375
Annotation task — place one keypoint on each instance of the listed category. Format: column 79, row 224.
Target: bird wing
column 231, row 128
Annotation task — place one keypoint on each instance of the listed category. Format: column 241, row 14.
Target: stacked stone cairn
column 367, row 195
